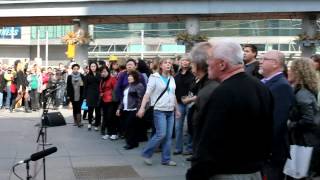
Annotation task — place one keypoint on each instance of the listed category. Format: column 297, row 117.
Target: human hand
column 140, row 113
column 118, row 113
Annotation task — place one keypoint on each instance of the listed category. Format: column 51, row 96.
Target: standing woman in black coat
column 75, row 85
column 91, row 95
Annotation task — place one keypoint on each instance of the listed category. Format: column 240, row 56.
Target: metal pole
column 38, row 44
column 142, row 44
column 47, row 48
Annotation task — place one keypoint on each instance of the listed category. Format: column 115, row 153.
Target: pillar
column 81, row 55
column 193, row 25
column 309, row 27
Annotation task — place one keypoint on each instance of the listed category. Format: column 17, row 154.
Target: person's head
column 316, row 61
column 93, row 66
column 101, row 63
column 165, row 66
column 185, row 62
column 105, row 72
column 199, row 57
column 250, row 53
column 49, row 70
column 114, row 65
column 272, row 62
column 154, row 64
column 224, row 58
column 18, row 65
column 133, row 77
column 131, row 65
column 301, row 73
column 75, row 68
column 142, row 67
column 61, row 66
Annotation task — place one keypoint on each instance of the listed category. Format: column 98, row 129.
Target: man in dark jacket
column 251, row 63
column 236, row 135
column 272, row 66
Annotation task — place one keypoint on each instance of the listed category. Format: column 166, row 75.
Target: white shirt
column 125, row 100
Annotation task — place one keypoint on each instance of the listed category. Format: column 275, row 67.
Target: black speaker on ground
column 53, row 119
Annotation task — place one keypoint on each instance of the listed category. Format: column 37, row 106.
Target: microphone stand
column 43, row 132
column 28, row 173
column 43, row 128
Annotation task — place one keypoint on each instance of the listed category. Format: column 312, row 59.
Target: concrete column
column 309, row 27
column 81, row 55
column 193, row 25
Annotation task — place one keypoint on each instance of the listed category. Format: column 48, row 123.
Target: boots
column 78, row 118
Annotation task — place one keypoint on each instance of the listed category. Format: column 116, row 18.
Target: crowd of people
column 242, row 114
column 25, row 85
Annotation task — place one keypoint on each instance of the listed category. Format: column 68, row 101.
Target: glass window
column 55, row 32
column 275, row 46
column 284, row 47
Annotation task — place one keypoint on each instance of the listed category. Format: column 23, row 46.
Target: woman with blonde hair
column 302, row 128
column 161, row 90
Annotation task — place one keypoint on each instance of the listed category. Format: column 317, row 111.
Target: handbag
column 84, row 106
column 298, row 165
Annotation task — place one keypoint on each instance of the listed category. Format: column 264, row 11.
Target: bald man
column 272, row 67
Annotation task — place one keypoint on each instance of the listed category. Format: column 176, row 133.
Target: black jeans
column 109, row 119
column 132, row 127
column 97, row 115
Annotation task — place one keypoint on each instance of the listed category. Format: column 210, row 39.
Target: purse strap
column 162, row 92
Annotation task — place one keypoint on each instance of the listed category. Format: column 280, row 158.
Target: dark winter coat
column 91, row 92
column 70, row 91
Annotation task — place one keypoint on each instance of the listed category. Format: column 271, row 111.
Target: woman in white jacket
column 164, row 110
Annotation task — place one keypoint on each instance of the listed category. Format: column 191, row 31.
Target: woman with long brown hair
column 302, row 128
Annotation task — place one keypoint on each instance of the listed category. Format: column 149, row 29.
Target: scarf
column 75, row 76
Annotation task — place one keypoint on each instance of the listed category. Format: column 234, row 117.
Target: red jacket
column 106, row 88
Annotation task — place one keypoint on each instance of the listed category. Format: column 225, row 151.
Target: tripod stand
column 43, row 130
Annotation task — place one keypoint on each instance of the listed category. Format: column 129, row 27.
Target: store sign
column 10, row 33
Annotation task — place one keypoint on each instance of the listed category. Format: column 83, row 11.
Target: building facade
column 146, row 40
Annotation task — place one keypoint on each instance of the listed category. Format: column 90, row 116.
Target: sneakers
column 96, row 128
column 147, row 161
column 105, row 137
column 89, row 127
column 113, row 137
column 170, row 163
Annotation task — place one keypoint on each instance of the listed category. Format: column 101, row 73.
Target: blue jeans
column 1, row 99
column 8, row 99
column 163, row 122
column 179, row 127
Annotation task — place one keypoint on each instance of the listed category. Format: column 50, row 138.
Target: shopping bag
column 84, row 106
column 298, row 165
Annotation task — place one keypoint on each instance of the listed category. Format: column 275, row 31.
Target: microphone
column 39, row 155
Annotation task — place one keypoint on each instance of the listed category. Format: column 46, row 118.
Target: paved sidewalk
column 81, row 153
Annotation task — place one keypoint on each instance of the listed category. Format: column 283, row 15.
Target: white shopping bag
column 298, row 165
